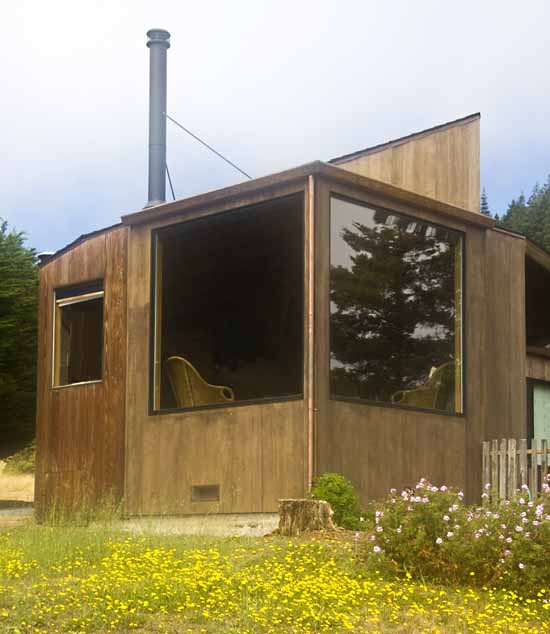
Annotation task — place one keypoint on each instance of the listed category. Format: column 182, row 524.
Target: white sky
column 271, row 84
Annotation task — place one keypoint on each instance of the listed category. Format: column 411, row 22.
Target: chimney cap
column 158, row 36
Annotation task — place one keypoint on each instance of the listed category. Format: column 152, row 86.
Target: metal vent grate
column 205, row 493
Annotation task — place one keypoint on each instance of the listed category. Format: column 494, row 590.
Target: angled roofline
column 276, row 181
column 404, row 139
column 271, row 181
column 331, row 172
column 82, row 238
column 537, row 253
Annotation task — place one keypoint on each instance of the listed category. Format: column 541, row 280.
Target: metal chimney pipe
column 158, row 43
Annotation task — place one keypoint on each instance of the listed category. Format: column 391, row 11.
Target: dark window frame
column 180, row 226
column 369, row 402
column 77, row 290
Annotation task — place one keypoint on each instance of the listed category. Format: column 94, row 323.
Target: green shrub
column 342, row 497
column 23, row 461
column 430, row 533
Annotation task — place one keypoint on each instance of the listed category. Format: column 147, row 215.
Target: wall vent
column 205, row 493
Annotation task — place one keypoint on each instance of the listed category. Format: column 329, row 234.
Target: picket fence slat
column 544, row 459
column 509, row 465
column 533, row 480
column 486, row 464
column 502, row 489
column 512, row 471
column 494, row 469
column 523, row 462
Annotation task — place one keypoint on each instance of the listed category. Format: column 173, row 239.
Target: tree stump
column 300, row 516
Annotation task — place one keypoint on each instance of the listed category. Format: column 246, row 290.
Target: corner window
column 228, row 307
column 78, row 334
column 395, row 309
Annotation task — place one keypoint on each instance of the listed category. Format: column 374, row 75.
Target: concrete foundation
column 226, row 525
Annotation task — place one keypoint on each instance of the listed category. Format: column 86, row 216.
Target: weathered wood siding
column 258, row 453
column 442, row 163
column 80, row 428
column 505, row 356
column 380, row 447
column 255, row 453
column 537, row 368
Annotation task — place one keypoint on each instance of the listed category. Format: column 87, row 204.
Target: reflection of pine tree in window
column 392, row 306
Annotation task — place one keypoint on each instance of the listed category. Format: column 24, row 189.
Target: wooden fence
column 510, row 465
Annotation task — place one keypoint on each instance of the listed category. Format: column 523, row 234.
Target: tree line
column 18, row 324
column 529, row 216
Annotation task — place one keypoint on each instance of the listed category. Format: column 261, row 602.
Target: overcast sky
column 270, row 84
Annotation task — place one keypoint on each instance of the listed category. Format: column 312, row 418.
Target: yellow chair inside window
column 190, row 389
column 435, row 392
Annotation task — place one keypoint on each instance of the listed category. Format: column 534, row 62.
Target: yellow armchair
column 431, row 393
column 190, row 389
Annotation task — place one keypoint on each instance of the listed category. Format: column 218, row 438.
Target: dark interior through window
column 78, row 335
column 537, row 307
column 229, row 307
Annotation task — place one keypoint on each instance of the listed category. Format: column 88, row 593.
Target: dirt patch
column 15, row 487
column 16, row 498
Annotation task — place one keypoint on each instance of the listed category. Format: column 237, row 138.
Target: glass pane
column 395, row 309
column 541, row 410
column 541, row 413
column 229, row 307
column 79, row 341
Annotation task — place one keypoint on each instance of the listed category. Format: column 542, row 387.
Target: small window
column 78, row 334
column 395, row 309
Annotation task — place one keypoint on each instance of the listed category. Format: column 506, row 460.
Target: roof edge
column 82, row 238
column 227, row 193
column 278, row 180
column 406, row 195
column 373, row 149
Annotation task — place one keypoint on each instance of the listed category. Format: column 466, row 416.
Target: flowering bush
column 430, row 532
column 339, row 492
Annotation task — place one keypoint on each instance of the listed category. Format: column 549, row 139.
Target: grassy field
column 99, row 579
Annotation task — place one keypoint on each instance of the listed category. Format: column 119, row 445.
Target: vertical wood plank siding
column 442, row 164
column 80, row 428
column 357, row 439
column 256, row 453
column 538, row 368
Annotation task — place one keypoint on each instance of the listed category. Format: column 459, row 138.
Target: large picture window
column 78, row 334
column 228, row 307
column 395, row 309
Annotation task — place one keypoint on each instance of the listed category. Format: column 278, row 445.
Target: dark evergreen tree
column 18, row 312
column 484, row 206
column 531, row 217
column 392, row 309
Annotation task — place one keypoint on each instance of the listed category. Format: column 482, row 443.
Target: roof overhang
column 274, row 182
column 319, row 169
column 537, row 253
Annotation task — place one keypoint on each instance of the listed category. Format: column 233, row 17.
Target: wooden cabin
column 361, row 316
